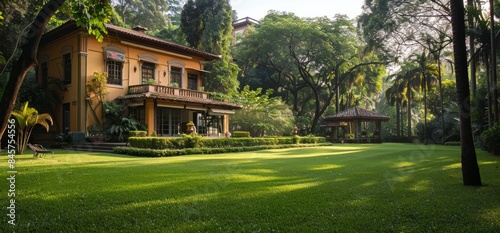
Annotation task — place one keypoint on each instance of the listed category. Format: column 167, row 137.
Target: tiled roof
column 181, row 100
column 131, row 36
column 356, row 113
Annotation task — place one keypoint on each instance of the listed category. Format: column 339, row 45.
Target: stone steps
column 96, row 147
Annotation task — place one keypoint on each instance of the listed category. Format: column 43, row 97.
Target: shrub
column 195, row 141
column 491, row 139
column 241, row 134
column 434, row 132
column 144, row 152
column 452, row 143
column 138, row 133
column 312, row 140
column 156, row 142
column 191, row 141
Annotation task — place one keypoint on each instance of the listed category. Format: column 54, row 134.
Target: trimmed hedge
column 158, row 143
column 193, row 144
column 188, row 141
column 138, row 133
column 241, row 134
column 143, row 152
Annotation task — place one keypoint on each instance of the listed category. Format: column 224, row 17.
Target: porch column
column 149, row 115
column 357, row 134
column 226, row 125
column 81, row 103
column 378, row 128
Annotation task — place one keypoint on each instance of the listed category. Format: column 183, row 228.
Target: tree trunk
column 401, row 121
column 425, row 109
column 441, row 96
column 26, row 61
column 337, row 91
column 408, row 94
column 398, row 119
column 470, row 168
column 493, row 63
column 470, row 19
column 489, row 95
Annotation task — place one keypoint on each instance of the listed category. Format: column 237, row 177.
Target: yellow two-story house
column 161, row 82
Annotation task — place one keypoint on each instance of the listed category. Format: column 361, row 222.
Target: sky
column 257, row 9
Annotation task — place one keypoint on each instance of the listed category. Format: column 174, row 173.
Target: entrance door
column 200, row 122
column 65, row 118
column 168, row 122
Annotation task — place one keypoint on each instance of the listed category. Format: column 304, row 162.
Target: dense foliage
column 207, row 25
column 314, row 64
column 261, row 114
column 491, row 139
column 32, row 21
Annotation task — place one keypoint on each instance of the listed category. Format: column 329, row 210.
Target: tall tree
column 2, row 58
column 482, row 57
column 90, row 14
column 174, row 12
column 470, row 168
column 207, row 25
column 470, row 19
column 493, row 62
column 395, row 95
column 436, row 48
column 151, row 14
column 398, row 28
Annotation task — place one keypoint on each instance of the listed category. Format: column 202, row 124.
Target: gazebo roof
column 356, row 113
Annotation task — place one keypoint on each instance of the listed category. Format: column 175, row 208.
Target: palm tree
column 406, row 83
column 395, row 96
column 427, row 78
column 483, row 54
column 470, row 168
column 26, row 119
column 436, row 48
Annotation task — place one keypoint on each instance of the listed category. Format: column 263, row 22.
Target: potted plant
column 190, row 127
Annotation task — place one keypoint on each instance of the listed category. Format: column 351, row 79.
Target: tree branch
column 27, row 59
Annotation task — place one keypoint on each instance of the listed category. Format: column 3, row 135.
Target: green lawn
column 342, row 188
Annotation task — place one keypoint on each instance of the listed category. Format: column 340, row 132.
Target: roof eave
column 128, row 34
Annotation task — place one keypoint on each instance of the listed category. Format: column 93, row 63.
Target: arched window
column 148, row 67
column 176, row 68
column 114, row 58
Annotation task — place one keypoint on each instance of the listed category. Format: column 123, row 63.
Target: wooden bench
column 38, row 149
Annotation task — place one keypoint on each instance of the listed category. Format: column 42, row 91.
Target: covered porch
column 355, row 125
column 167, row 110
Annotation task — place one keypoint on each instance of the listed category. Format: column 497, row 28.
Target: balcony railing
column 144, row 88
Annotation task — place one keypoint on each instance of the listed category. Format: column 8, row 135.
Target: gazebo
column 354, row 121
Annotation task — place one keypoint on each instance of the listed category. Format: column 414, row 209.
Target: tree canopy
column 151, row 14
column 90, row 14
column 308, row 60
column 261, row 114
column 207, row 25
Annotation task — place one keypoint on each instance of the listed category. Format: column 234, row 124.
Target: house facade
column 241, row 27
column 160, row 82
